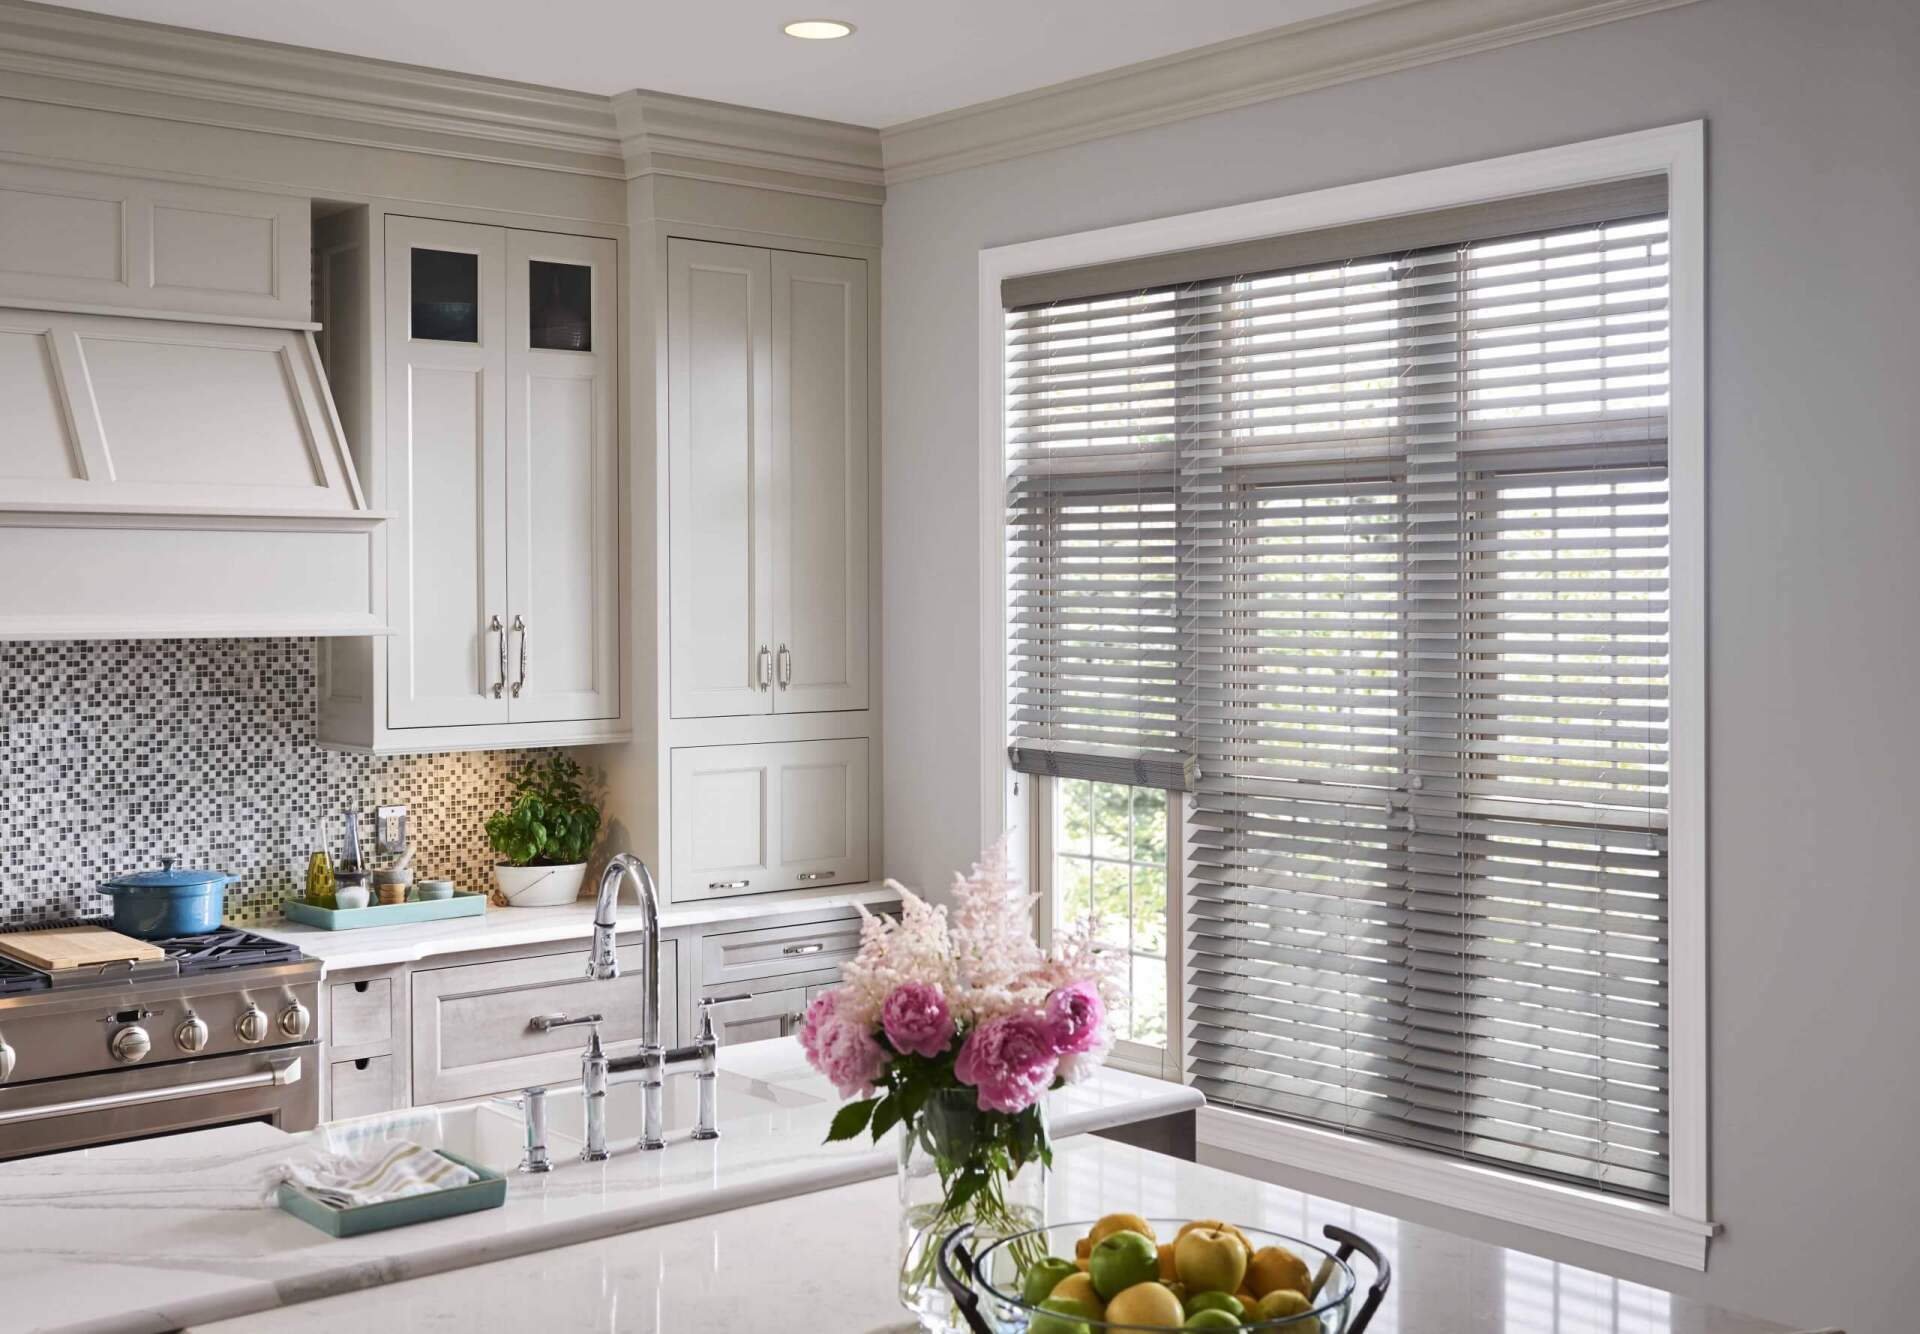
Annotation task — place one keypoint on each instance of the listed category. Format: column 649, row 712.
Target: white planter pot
column 540, row 886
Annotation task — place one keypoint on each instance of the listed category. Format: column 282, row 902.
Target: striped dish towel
column 381, row 1170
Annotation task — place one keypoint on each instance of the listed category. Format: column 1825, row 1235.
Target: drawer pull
column 726, row 884
column 810, row 947
column 817, row 875
column 363, row 1063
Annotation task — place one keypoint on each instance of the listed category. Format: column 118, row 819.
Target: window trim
column 1678, row 1233
column 1138, row 1058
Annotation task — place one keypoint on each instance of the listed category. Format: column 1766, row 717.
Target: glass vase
column 960, row 1165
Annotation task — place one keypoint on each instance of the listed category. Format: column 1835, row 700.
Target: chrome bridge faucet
column 650, row 1065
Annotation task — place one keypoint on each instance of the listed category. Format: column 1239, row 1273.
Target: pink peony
column 1010, row 1060
column 916, row 1019
column 1075, row 1017
column 844, row 1052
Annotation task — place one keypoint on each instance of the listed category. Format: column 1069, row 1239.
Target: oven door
column 279, row 1087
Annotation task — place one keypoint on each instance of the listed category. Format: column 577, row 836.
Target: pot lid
column 167, row 877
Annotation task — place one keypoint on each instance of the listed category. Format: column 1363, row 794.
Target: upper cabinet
column 767, row 480
column 502, row 473
column 120, row 243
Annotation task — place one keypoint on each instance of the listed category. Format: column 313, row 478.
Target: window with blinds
column 1369, row 552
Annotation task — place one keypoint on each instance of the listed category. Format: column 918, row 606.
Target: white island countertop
column 823, row 1264
column 159, row 1234
column 497, row 928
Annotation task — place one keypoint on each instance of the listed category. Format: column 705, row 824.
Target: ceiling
column 906, row 59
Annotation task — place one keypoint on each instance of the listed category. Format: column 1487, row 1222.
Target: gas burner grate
column 16, row 979
column 227, row 948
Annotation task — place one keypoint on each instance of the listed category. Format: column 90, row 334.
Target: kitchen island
column 159, row 1234
column 823, row 1263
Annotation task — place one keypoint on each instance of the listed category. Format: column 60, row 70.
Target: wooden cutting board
column 75, row 947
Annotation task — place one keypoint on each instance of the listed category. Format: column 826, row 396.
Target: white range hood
column 170, row 460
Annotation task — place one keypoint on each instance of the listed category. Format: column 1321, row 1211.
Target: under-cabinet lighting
column 818, row 30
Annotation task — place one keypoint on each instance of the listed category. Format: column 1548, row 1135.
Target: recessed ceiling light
column 818, row 30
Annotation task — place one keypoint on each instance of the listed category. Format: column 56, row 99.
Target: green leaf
column 851, row 1119
column 886, row 1116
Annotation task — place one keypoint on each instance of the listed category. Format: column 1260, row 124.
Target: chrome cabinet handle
column 546, row 1023
column 726, row 884
column 282, row 1071
column 811, row 947
column 519, row 624
column 494, row 627
column 784, row 659
column 816, row 875
column 761, row 664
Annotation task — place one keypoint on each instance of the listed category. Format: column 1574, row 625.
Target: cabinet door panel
column 765, row 1014
column 820, row 481
column 722, row 821
column 562, row 480
column 446, row 426
column 719, row 478
column 820, row 796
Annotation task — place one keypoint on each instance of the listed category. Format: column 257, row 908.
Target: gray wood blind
column 1406, row 569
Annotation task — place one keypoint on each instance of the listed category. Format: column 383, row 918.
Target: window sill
column 1631, row 1226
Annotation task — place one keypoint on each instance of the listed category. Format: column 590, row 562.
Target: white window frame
column 1140, row 1058
column 1677, row 1232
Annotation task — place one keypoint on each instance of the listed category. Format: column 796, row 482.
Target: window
column 1110, row 872
column 1364, row 547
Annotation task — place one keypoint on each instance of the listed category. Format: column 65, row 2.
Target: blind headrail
column 1610, row 202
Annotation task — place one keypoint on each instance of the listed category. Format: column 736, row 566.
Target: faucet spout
column 603, row 963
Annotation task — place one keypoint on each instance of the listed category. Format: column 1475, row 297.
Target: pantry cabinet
column 767, row 480
column 502, row 476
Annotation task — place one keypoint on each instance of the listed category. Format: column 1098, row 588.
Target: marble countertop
column 823, row 1264
column 379, row 946
column 155, row 1235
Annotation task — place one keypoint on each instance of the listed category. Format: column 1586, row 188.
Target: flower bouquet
column 954, row 1027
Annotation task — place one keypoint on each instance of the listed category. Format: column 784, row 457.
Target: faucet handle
column 707, row 1034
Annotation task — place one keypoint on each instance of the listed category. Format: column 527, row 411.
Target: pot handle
column 965, row 1299
column 1382, row 1272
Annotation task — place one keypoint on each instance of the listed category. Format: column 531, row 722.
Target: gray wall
column 1813, row 113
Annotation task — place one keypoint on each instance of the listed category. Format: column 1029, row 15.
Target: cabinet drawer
column 776, row 951
column 360, row 1014
column 362, row 1087
column 758, row 819
column 473, row 1031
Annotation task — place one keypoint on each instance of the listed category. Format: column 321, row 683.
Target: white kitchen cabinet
column 767, row 480
column 502, row 473
column 125, row 244
column 756, row 819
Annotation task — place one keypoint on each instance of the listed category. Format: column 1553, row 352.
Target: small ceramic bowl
column 428, row 890
column 391, row 894
column 349, row 897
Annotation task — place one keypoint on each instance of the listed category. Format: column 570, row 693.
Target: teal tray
column 489, row 1192
column 385, row 914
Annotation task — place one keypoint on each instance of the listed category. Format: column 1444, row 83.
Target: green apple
column 1122, row 1260
column 1061, row 1315
column 1213, row 1318
column 1043, row 1277
column 1217, row 1301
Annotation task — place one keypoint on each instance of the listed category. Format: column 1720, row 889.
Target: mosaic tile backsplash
column 113, row 753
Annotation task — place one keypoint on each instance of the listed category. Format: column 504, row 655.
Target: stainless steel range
column 220, row 1031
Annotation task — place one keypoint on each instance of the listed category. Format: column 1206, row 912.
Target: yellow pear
column 1146, row 1306
column 1080, row 1288
column 1276, row 1267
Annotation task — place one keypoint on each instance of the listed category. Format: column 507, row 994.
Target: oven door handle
column 284, row 1070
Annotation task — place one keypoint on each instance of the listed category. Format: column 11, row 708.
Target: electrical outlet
column 390, row 830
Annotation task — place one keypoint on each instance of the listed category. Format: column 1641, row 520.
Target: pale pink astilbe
column 915, row 947
column 997, row 966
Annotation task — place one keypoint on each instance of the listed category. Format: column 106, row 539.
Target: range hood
column 171, row 464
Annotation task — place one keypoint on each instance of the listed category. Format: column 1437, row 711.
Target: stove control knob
column 295, row 1020
column 6, row 1061
column 251, row 1026
column 192, row 1034
column 131, row 1044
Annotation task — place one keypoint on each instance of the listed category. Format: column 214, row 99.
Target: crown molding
column 663, row 132
column 1379, row 38
column 74, row 57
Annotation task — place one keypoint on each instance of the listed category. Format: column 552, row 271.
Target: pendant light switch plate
column 390, row 830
